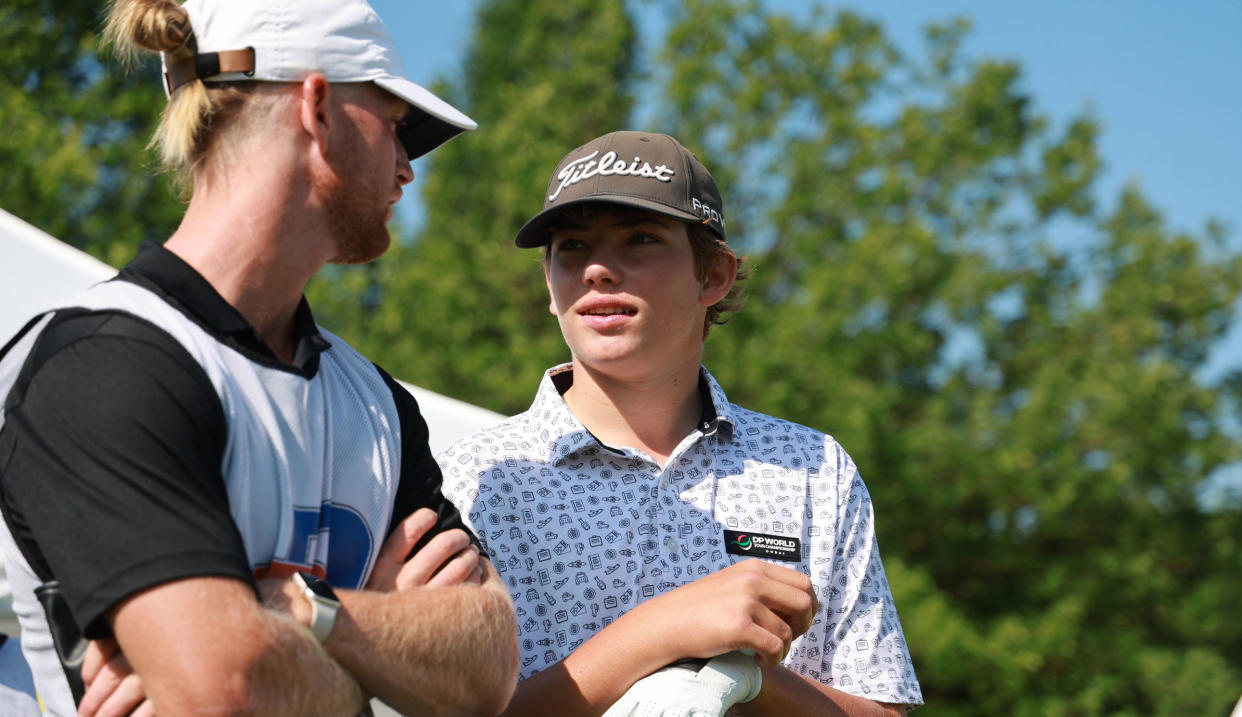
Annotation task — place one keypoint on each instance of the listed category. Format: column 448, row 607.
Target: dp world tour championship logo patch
column 758, row 545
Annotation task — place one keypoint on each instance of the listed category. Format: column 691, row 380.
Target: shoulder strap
column 8, row 346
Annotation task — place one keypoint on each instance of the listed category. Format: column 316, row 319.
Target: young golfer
column 637, row 517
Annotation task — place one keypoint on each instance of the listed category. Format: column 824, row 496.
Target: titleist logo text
column 586, row 167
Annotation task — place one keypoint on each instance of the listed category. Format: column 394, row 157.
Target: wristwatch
column 323, row 603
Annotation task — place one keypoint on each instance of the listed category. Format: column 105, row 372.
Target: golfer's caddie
column 210, row 503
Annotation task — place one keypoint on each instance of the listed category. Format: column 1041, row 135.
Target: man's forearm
column 204, row 645
column 786, row 694
column 297, row 676
column 443, row 650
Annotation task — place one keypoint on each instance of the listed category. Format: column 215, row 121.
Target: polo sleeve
column 865, row 650
column 111, row 480
column 461, row 479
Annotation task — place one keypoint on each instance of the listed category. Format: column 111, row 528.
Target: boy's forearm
column 787, row 694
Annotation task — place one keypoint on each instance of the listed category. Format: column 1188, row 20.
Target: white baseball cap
column 284, row 40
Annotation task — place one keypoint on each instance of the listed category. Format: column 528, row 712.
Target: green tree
column 73, row 132
column 1013, row 370
column 461, row 310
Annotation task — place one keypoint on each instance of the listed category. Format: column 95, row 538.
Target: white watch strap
column 323, row 610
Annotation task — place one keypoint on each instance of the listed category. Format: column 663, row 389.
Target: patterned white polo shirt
column 581, row 532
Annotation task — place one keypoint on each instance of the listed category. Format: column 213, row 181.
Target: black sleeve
column 111, row 480
column 420, row 474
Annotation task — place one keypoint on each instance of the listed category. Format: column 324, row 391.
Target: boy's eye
column 643, row 238
column 566, row 244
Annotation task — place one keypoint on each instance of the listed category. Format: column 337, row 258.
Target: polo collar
column 717, row 411
column 567, row 436
column 169, row 276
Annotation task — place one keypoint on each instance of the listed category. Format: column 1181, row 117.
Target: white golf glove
column 692, row 691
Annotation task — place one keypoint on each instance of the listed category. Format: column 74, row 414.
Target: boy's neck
column 653, row 414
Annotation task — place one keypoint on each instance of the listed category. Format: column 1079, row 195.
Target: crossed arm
column 431, row 635
column 752, row 605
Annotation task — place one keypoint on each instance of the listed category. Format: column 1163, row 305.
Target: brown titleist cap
column 637, row 169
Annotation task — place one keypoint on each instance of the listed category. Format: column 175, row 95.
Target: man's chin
column 359, row 250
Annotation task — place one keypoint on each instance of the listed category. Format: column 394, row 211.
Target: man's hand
column 448, row 559
column 752, row 605
column 112, row 686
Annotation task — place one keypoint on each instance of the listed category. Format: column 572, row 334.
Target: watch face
column 319, row 586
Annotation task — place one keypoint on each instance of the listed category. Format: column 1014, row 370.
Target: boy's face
column 624, row 290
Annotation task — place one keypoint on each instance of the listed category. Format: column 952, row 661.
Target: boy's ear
column 719, row 279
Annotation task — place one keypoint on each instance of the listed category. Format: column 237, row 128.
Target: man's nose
column 405, row 171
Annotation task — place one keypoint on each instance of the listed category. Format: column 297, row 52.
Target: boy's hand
column 751, row 605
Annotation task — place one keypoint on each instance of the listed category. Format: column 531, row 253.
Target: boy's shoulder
column 750, row 424
column 510, row 436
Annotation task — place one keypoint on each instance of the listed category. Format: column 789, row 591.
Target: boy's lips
column 605, row 313
column 604, row 305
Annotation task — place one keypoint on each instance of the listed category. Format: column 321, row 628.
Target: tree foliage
column 73, row 132
column 1017, row 371
column 1013, row 369
column 461, row 309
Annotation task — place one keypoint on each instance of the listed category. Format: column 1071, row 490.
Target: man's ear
column 719, row 279
column 315, row 115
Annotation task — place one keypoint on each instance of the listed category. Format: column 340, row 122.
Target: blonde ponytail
column 152, row 25
column 195, row 114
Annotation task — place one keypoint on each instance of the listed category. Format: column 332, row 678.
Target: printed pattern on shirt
column 582, row 532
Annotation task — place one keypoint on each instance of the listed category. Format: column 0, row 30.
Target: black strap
column 66, row 636
column 8, row 346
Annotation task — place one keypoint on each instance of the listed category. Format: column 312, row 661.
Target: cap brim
column 535, row 232
column 432, row 121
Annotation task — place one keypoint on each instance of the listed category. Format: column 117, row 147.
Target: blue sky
column 1164, row 78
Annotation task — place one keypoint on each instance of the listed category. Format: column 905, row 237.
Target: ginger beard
column 359, row 231
column 355, row 205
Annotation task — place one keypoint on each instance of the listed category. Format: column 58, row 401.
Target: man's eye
column 644, row 238
column 566, row 244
